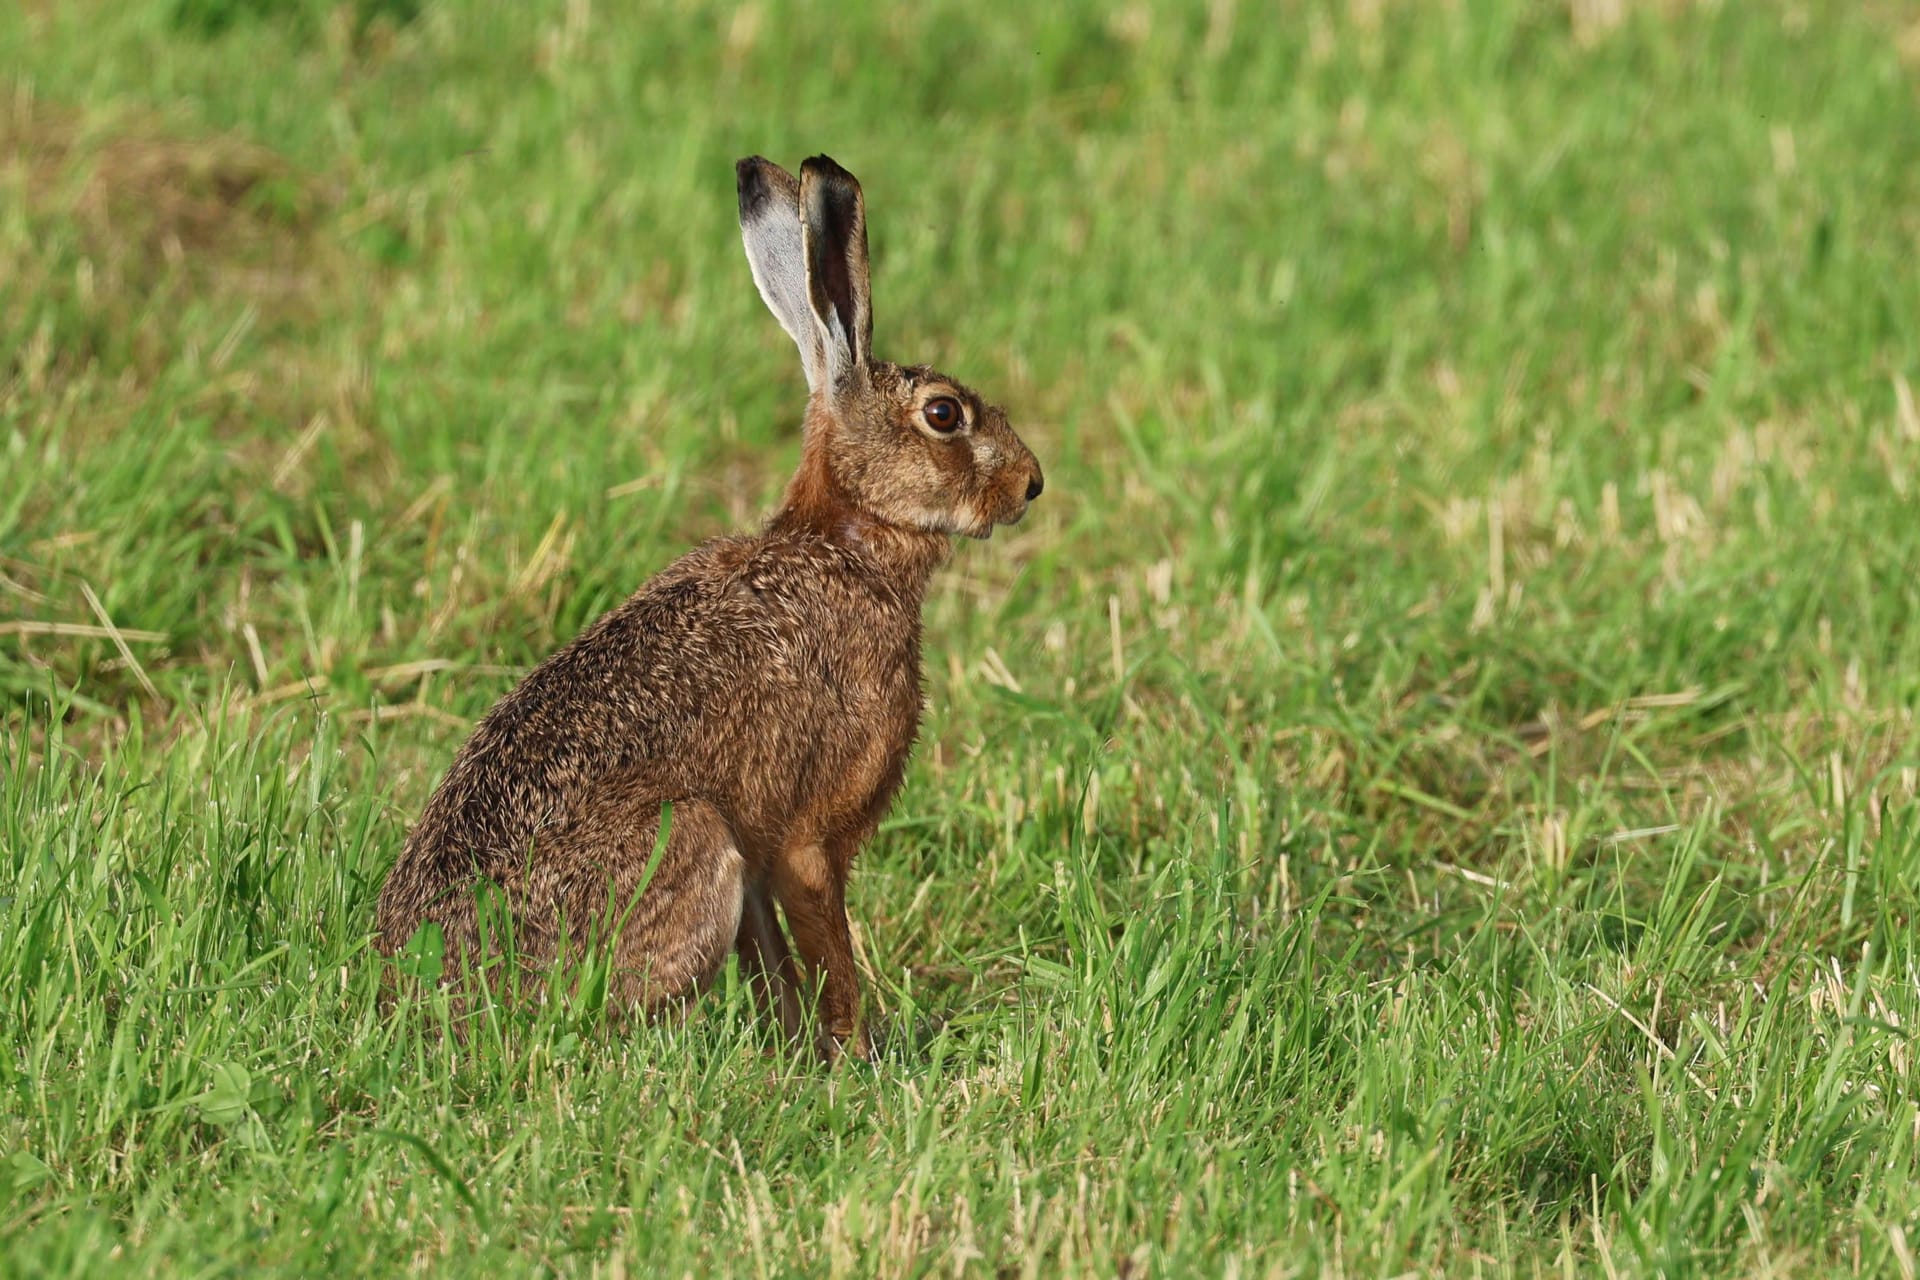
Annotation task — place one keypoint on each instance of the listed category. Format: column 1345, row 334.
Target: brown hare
column 765, row 686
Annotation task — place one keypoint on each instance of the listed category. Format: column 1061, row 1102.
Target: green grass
column 1433, row 787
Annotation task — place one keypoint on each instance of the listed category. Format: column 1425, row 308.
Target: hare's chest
column 859, row 739
column 871, row 688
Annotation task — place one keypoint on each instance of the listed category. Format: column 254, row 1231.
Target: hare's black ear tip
column 826, row 166
column 750, row 180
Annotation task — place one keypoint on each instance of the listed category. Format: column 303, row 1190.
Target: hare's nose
column 1034, row 486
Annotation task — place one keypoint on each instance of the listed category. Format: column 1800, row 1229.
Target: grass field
column 1433, row 787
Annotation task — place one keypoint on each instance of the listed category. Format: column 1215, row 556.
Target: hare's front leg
column 811, row 884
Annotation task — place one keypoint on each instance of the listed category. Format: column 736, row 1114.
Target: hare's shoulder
column 812, row 580
column 692, row 601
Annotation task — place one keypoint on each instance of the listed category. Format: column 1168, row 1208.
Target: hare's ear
column 776, row 250
column 834, row 222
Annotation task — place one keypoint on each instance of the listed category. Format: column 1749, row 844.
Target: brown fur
column 768, row 686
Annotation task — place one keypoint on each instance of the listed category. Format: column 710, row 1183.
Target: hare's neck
column 817, row 506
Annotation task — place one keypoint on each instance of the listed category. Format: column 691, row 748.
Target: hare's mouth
column 975, row 517
column 983, row 529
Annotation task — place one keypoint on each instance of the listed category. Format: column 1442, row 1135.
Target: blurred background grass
column 1432, row 785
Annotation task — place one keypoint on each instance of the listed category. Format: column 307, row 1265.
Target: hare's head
column 901, row 443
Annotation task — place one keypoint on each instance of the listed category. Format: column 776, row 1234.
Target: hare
column 763, row 689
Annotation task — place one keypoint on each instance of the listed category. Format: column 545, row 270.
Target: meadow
column 1433, row 787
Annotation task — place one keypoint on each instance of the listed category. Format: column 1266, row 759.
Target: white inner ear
column 777, row 254
column 833, row 335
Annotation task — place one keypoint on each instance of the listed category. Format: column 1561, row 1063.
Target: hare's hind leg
column 675, row 927
column 766, row 961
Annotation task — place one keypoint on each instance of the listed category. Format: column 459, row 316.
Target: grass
column 1432, row 788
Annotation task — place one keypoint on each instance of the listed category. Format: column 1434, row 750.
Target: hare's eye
column 942, row 413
